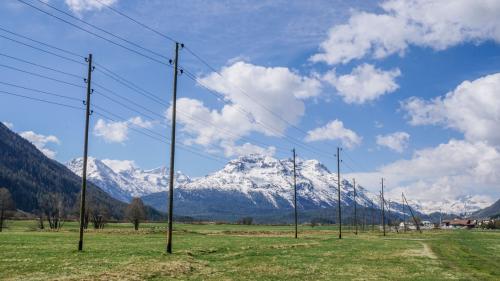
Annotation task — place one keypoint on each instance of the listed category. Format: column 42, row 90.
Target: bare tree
column 6, row 206
column 52, row 205
column 136, row 212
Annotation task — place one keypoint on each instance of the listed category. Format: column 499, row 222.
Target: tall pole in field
column 383, row 208
column 373, row 216
column 85, row 151
column 295, row 191
column 404, row 214
column 339, row 210
column 412, row 215
column 172, row 153
column 355, row 208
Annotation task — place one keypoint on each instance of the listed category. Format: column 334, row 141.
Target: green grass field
column 237, row 252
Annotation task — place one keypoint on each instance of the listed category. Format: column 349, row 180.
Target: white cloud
column 8, row 124
column 334, row 130
column 232, row 150
column 265, row 92
column 431, row 23
column 447, row 172
column 120, row 165
column 397, row 141
column 41, row 142
column 118, row 131
column 365, row 83
column 258, row 99
column 472, row 108
column 78, row 6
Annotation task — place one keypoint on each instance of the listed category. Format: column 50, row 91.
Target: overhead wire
column 94, row 34
column 323, row 153
column 41, row 66
column 41, row 76
column 40, row 100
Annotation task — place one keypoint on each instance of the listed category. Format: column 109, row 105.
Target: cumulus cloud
column 41, row 142
column 78, row 6
column 334, row 130
column 119, row 165
column 365, row 83
column 431, row 23
column 258, row 99
column 397, row 141
column 472, row 108
column 232, row 150
column 447, row 172
column 118, row 131
column 265, row 92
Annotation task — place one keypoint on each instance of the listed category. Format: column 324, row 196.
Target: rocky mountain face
column 125, row 182
column 262, row 187
column 254, row 185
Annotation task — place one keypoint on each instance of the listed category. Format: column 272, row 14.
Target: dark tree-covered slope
column 28, row 174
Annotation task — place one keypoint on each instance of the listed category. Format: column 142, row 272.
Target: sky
column 408, row 89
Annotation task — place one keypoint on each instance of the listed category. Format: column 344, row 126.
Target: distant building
column 458, row 223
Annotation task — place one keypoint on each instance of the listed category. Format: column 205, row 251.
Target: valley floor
column 236, row 252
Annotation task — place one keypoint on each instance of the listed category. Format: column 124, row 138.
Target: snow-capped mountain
column 124, row 182
column 463, row 205
column 262, row 185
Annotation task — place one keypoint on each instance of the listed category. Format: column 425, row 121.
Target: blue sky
column 360, row 74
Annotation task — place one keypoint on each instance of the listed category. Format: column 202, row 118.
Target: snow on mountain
column 123, row 180
column 263, row 182
column 464, row 205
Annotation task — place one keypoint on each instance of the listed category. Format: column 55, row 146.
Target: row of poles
column 175, row 61
column 88, row 112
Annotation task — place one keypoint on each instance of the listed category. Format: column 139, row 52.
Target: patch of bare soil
column 425, row 251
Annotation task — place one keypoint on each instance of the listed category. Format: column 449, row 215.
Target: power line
column 44, row 44
column 137, row 88
column 42, row 66
column 40, row 91
column 103, row 30
column 208, row 65
column 309, row 148
column 154, row 135
column 130, row 85
column 42, row 50
column 95, row 34
column 40, row 100
column 137, row 22
column 41, row 76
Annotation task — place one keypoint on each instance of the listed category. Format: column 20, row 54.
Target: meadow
column 242, row 252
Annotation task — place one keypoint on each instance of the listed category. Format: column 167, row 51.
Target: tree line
column 53, row 211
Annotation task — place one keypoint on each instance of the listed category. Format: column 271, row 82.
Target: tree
column 6, row 206
column 246, row 221
column 52, row 205
column 136, row 212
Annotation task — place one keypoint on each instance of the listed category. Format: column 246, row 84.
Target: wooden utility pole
column 355, row 208
column 339, row 210
column 404, row 215
column 85, row 151
column 172, row 152
column 373, row 217
column 383, row 208
column 295, row 191
column 412, row 215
